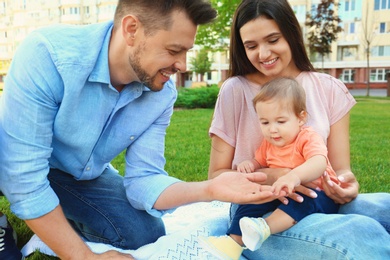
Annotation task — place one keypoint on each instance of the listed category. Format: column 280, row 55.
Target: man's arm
column 55, row 231
column 241, row 188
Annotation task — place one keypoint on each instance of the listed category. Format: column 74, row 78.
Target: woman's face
column 267, row 49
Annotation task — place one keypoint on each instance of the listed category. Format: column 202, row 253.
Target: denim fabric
column 100, row 212
column 59, row 110
column 333, row 236
column 374, row 205
column 296, row 210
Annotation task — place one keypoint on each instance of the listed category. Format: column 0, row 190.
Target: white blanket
column 183, row 228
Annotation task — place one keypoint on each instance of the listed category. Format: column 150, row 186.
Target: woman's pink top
column 235, row 120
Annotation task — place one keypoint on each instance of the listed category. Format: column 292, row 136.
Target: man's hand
column 240, row 188
column 343, row 193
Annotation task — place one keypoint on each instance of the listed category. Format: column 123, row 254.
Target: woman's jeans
column 358, row 233
column 100, row 211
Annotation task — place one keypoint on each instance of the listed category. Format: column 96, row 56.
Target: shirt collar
column 101, row 71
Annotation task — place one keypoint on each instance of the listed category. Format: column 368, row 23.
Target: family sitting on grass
column 96, row 90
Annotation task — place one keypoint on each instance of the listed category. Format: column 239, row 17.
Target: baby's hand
column 286, row 183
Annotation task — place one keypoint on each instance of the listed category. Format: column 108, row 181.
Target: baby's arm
column 248, row 166
column 310, row 170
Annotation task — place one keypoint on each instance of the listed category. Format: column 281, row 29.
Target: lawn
column 370, row 143
column 188, row 148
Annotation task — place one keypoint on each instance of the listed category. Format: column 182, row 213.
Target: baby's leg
column 256, row 230
column 279, row 221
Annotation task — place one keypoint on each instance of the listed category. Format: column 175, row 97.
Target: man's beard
column 141, row 73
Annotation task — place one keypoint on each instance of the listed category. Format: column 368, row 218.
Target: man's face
column 162, row 54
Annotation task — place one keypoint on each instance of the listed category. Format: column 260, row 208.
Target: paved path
column 373, row 92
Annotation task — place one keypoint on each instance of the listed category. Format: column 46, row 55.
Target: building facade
column 20, row 17
column 361, row 54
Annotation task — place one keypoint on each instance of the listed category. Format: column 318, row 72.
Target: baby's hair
column 286, row 90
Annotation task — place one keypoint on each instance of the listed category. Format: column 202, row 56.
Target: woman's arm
column 221, row 157
column 339, row 157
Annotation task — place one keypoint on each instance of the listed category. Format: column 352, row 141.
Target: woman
column 266, row 42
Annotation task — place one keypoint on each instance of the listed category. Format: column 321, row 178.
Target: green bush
column 202, row 97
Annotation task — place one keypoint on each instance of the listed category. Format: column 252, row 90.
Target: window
column 86, row 9
column 349, row 28
column 3, row 8
column 382, row 27
column 348, row 76
column 300, row 12
column 380, row 51
column 71, row 11
column 352, row 5
column 74, row 10
column 378, row 75
column 381, row 4
column 349, row 52
column 352, row 28
column 3, row 35
column 349, row 5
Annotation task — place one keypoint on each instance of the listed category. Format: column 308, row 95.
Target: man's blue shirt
column 59, row 110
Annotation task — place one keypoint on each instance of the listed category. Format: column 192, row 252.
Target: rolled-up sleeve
column 145, row 177
column 28, row 108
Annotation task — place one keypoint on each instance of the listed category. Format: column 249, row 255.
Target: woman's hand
column 343, row 193
column 339, row 157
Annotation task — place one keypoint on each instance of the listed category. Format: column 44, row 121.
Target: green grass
column 188, row 149
column 370, row 143
column 187, row 145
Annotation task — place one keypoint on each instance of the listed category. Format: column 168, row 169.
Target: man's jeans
column 356, row 235
column 100, row 212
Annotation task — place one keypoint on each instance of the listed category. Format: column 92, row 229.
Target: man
column 75, row 97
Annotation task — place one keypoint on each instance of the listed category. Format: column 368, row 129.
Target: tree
column 215, row 36
column 323, row 28
column 368, row 36
column 201, row 63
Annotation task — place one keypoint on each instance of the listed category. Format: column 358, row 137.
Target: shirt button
column 131, row 137
column 88, row 168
